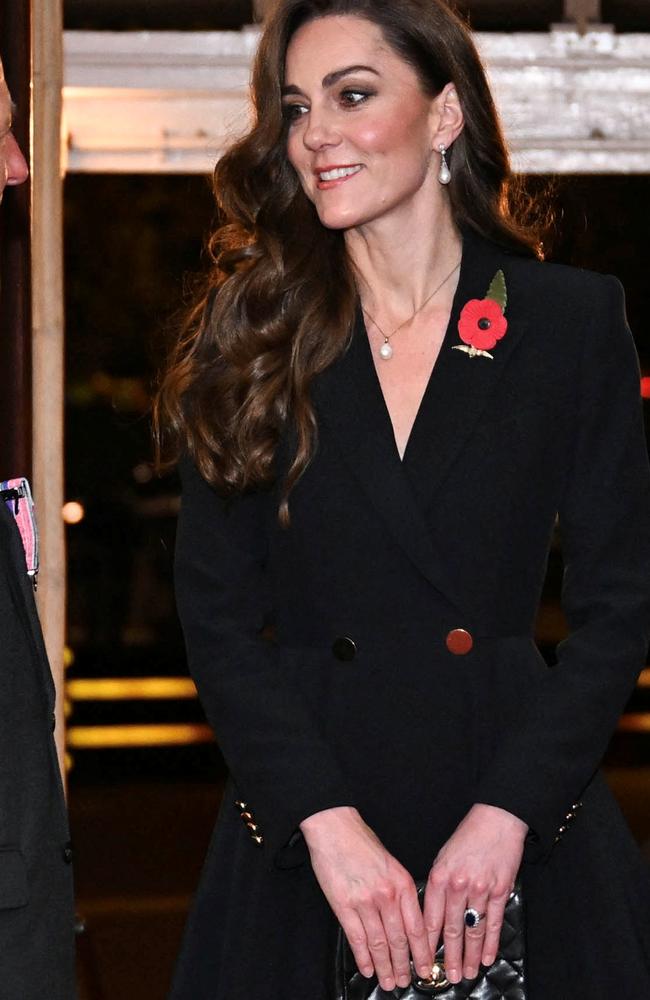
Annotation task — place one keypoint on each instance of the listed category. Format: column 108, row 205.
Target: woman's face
column 361, row 131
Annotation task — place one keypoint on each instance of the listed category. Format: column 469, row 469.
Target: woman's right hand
column 372, row 896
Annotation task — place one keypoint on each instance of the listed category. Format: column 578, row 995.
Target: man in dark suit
column 36, row 899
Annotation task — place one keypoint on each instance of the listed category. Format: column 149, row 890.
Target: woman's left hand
column 476, row 868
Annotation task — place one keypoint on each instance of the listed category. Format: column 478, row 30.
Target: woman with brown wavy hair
column 380, row 407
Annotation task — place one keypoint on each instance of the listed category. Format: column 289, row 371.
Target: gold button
column 459, row 641
column 246, row 816
column 240, row 805
column 259, row 839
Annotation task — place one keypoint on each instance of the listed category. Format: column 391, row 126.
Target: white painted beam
column 171, row 102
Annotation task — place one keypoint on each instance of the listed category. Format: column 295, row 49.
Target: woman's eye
column 292, row 112
column 352, row 98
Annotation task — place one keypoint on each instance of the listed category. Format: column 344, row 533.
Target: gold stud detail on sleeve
column 248, row 819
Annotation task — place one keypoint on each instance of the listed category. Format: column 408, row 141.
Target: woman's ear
column 448, row 117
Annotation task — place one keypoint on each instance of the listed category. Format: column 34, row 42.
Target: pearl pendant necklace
column 386, row 350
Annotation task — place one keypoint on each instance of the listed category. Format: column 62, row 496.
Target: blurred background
column 144, row 772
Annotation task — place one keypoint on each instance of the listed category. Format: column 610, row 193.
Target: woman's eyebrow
column 332, row 78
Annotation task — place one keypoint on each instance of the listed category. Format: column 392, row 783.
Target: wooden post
column 583, row 13
column 15, row 264
column 47, row 320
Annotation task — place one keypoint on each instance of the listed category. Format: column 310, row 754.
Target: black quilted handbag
column 504, row 980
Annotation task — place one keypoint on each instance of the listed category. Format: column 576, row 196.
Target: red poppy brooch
column 482, row 322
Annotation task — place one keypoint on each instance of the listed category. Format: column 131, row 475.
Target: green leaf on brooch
column 497, row 290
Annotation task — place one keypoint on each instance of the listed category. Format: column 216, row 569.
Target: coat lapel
column 460, row 386
column 349, row 399
column 12, row 565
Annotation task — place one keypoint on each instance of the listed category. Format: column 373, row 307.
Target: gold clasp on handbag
column 436, row 981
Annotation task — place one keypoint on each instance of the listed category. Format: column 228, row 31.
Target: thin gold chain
column 414, row 314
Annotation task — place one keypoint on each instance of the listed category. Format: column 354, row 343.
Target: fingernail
column 388, row 985
column 470, row 973
column 453, row 975
column 404, row 981
column 489, row 960
column 425, row 971
column 367, row 971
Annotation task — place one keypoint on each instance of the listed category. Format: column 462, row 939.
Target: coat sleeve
column 543, row 766
column 280, row 763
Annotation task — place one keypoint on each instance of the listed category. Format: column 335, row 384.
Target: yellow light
column 635, row 722
column 129, row 688
column 105, row 737
column 73, row 512
column 644, row 679
column 68, row 657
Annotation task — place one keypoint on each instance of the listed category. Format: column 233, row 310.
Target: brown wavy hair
column 238, row 377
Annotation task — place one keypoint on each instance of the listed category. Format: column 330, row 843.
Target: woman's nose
column 320, row 132
column 16, row 165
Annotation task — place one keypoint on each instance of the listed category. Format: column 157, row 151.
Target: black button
column 344, row 648
column 67, row 853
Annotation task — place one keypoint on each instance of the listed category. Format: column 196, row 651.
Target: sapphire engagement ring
column 473, row 917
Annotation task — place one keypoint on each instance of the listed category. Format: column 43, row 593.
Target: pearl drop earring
column 444, row 174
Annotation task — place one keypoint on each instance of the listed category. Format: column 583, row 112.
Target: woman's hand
column 476, row 868
column 372, row 895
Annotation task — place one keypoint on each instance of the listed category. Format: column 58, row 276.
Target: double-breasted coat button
column 344, row 648
column 459, row 641
column 67, row 853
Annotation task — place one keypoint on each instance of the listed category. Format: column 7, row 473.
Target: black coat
column 360, row 701
column 36, row 899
